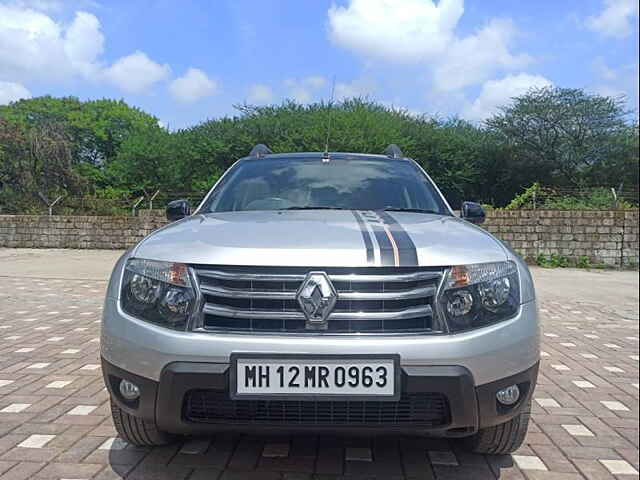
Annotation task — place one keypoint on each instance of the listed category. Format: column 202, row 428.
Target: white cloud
column 303, row 90
column 396, row 30
column 33, row 45
column 422, row 32
column 43, row 5
column 300, row 94
column 609, row 91
column 136, row 73
column 497, row 93
column 356, row 88
column 603, row 70
column 315, row 81
column 84, row 43
column 617, row 82
column 192, row 86
column 11, row 91
column 616, row 19
column 476, row 57
column 259, row 93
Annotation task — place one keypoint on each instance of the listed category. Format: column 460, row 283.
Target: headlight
column 159, row 292
column 477, row 295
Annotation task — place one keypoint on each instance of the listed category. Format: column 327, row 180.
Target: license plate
column 326, row 377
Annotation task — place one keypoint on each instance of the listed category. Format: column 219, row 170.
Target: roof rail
column 259, row 150
column 393, row 151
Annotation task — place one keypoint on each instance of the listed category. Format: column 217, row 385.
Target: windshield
column 309, row 183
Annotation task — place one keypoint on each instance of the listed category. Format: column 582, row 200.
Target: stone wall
column 605, row 237
column 33, row 231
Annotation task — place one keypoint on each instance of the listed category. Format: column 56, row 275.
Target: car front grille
column 369, row 300
column 417, row 409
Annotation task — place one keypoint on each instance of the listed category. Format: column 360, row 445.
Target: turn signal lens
column 167, row 272
column 459, row 277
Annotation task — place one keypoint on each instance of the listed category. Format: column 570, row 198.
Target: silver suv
column 327, row 293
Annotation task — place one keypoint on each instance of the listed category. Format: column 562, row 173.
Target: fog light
column 128, row 390
column 509, row 395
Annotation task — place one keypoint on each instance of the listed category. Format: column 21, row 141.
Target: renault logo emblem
column 317, row 297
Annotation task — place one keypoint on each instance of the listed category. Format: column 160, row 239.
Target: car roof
column 318, row 155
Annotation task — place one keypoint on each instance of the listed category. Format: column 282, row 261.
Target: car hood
column 323, row 238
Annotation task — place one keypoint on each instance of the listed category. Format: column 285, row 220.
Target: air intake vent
column 419, row 409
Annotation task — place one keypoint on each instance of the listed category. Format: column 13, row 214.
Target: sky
column 191, row 60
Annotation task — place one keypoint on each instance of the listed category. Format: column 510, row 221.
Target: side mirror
column 178, row 209
column 472, row 212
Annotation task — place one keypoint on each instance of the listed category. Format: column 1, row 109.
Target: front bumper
column 468, row 406
column 488, row 353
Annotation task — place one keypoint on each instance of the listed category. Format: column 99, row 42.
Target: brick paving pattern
column 55, row 421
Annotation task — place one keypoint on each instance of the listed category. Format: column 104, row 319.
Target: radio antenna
column 325, row 156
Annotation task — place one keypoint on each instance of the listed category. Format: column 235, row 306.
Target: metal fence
column 101, row 206
column 154, row 202
column 593, row 198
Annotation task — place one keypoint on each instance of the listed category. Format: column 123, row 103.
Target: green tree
column 97, row 128
column 35, row 165
column 451, row 152
column 563, row 136
column 108, row 150
column 145, row 160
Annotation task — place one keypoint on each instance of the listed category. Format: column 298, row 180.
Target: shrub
column 552, row 261
column 599, row 198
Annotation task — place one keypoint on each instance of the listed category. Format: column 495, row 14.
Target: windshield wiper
column 313, row 207
column 410, row 210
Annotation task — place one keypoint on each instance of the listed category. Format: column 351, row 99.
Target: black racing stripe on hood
column 365, row 237
column 406, row 248
column 384, row 244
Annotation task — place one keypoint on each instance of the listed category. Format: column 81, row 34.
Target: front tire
column 140, row 432
column 501, row 439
